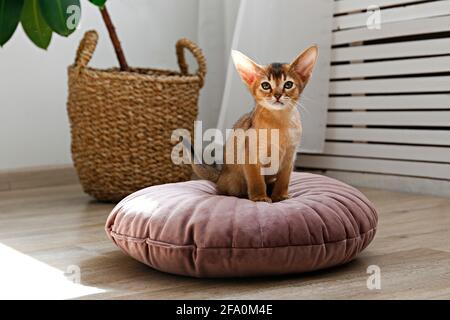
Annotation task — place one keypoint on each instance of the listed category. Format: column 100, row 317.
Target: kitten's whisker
column 306, row 98
column 301, row 108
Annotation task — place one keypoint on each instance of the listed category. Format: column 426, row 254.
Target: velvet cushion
column 187, row 229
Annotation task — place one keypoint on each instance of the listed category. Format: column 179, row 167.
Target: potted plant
column 41, row 18
column 122, row 118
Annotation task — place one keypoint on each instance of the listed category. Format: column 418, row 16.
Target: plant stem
column 115, row 39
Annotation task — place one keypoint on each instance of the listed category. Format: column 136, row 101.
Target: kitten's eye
column 266, row 86
column 288, row 84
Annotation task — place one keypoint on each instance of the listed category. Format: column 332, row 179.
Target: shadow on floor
column 125, row 278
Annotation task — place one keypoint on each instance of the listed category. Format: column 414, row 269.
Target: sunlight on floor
column 23, row 277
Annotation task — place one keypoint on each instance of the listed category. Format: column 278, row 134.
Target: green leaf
column 9, row 18
column 62, row 16
column 34, row 24
column 99, row 3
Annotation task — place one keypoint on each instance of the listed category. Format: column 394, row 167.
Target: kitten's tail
column 202, row 170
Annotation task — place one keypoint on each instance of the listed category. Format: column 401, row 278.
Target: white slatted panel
column 401, row 136
column 406, row 168
column 390, row 30
column 400, row 85
column 414, row 101
column 396, row 118
column 388, row 151
column 392, row 50
column 390, row 68
column 422, row 10
column 344, row 6
column 389, row 106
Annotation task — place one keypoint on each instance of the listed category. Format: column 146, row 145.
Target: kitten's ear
column 303, row 65
column 247, row 68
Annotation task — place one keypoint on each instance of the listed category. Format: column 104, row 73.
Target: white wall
column 293, row 26
column 34, row 128
column 217, row 19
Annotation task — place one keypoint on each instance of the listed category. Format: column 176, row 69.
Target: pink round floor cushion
column 187, row 229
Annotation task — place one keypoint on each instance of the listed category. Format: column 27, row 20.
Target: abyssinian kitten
column 276, row 89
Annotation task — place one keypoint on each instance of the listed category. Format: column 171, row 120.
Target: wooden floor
column 46, row 232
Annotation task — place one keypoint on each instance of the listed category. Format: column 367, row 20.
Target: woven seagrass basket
column 122, row 122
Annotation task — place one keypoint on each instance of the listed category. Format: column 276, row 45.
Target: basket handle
column 197, row 52
column 86, row 49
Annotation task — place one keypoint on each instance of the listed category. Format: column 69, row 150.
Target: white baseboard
column 37, row 177
column 391, row 182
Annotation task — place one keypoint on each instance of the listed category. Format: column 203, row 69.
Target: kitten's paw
column 261, row 199
column 278, row 198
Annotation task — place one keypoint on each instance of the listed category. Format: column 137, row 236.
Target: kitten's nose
column 277, row 96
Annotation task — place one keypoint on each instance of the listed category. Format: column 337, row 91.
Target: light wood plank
column 4, row 183
column 391, row 118
column 392, row 50
column 60, row 226
column 406, row 168
column 390, row 30
column 389, row 68
column 397, row 280
column 419, row 275
column 413, row 85
column 415, row 101
column 404, row 13
column 422, row 279
column 344, row 6
column 428, row 137
column 436, row 154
